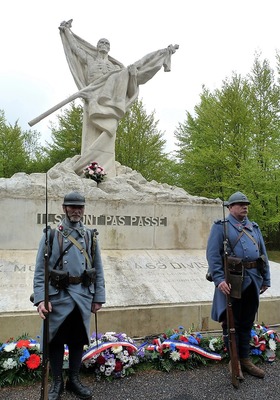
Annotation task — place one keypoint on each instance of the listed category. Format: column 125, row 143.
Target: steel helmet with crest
column 74, row 199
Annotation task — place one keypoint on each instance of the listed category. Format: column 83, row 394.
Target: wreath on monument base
column 115, row 355
column 94, row 171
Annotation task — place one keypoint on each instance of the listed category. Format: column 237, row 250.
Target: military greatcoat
column 64, row 300
column 244, row 247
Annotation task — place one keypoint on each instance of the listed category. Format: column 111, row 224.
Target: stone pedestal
column 153, row 239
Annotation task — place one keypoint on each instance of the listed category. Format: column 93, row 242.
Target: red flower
column 262, row 347
column 100, row 360
column 184, row 354
column 183, row 338
column 130, row 350
column 23, row 343
column 118, row 366
column 33, row 361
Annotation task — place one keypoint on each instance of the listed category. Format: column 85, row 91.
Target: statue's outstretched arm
column 65, row 30
column 132, row 81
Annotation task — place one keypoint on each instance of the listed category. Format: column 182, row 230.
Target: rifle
column 230, row 320
column 45, row 360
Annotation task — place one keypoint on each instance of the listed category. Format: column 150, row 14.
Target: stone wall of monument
column 128, row 211
column 153, row 238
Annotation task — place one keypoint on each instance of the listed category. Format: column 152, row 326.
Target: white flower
column 108, row 371
column 175, row 355
column 270, row 355
column 124, row 359
column 10, row 347
column 116, row 349
column 102, row 368
column 272, row 344
column 212, row 342
column 9, row 363
column 111, row 362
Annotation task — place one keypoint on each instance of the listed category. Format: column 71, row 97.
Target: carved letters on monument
column 108, row 220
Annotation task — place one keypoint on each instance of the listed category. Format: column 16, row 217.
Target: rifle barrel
column 230, row 318
column 45, row 360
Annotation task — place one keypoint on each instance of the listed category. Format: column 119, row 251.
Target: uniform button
column 65, row 262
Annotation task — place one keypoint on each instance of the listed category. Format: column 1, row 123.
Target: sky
column 215, row 38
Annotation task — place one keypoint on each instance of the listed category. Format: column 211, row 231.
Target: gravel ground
column 211, row 382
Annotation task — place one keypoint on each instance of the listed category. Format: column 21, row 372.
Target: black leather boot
column 75, row 386
column 57, row 388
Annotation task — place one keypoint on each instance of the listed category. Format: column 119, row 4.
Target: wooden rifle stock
column 45, row 360
column 230, row 319
column 231, row 335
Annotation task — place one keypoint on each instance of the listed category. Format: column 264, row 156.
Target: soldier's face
column 239, row 210
column 74, row 213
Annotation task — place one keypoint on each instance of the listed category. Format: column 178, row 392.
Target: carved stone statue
column 108, row 90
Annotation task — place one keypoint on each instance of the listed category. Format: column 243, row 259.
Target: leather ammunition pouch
column 88, row 277
column 261, row 264
column 59, row 279
column 235, row 274
column 234, row 264
column 209, row 276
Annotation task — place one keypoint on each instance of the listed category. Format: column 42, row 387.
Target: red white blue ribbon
column 158, row 346
column 96, row 350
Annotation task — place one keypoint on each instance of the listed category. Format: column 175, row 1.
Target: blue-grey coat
column 74, row 262
column 244, row 248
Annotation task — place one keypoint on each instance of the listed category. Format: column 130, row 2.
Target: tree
column 13, row 156
column 66, row 135
column 232, row 143
column 210, row 143
column 140, row 146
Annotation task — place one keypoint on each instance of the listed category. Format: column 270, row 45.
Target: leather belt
column 250, row 264
column 75, row 280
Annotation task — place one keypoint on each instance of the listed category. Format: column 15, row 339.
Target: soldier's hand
column 224, row 287
column 42, row 311
column 95, row 307
column 263, row 289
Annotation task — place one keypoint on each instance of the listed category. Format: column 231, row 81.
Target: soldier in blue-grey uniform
column 76, row 289
column 244, row 242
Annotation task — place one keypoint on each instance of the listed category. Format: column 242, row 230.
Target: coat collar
column 246, row 223
column 66, row 228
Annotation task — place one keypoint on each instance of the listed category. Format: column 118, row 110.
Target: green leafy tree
column 232, row 143
column 13, row 156
column 210, row 143
column 66, row 135
column 140, row 145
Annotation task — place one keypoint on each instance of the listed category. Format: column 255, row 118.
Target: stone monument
column 153, row 236
column 108, row 89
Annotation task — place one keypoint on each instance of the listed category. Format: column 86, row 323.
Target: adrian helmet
column 237, row 197
column 74, row 199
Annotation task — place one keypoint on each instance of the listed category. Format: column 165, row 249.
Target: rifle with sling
column 230, row 319
column 45, row 359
